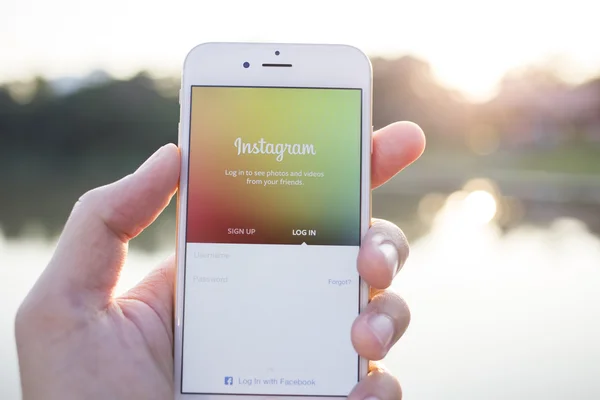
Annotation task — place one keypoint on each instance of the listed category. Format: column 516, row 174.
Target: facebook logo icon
column 229, row 380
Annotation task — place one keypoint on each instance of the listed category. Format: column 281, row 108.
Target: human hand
column 76, row 340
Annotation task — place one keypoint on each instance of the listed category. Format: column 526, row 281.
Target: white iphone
column 274, row 199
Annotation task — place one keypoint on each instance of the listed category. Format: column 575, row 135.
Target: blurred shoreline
column 536, row 143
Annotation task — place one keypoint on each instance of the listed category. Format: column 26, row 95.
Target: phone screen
column 273, row 230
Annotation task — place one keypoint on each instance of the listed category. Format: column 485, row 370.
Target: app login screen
column 273, row 229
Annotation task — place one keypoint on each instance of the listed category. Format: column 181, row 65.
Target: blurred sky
column 470, row 43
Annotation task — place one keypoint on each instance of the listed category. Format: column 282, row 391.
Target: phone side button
column 371, row 139
column 179, row 133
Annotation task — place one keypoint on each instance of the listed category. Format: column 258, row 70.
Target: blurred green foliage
column 54, row 148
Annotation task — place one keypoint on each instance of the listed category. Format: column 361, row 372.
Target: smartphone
column 273, row 201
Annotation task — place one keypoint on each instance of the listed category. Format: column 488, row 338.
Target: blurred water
column 495, row 316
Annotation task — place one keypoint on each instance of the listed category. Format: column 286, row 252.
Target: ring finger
column 380, row 325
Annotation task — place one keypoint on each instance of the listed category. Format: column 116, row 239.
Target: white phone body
column 199, row 331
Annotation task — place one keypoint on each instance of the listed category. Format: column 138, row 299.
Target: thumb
column 93, row 246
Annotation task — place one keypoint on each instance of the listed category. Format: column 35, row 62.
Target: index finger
column 394, row 148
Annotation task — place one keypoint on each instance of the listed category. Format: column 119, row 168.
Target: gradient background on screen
column 330, row 119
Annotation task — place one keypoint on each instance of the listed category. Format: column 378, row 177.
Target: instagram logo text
column 279, row 149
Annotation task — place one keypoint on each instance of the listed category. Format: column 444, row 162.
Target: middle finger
column 383, row 252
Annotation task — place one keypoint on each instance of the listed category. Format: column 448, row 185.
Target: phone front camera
column 246, row 64
column 277, row 53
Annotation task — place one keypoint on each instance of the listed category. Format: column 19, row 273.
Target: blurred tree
column 42, row 91
column 9, row 110
column 406, row 89
column 54, row 148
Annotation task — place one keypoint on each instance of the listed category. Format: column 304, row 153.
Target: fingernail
column 383, row 328
column 152, row 159
column 372, row 398
column 391, row 255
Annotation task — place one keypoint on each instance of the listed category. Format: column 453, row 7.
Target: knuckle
column 87, row 203
column 21, row 319
column 403, row 245
column 393, row 234
column 89, row 197
column 42, row 313
column 391, row 303
column 28, row 316
column 386, row 227
column 99, row 204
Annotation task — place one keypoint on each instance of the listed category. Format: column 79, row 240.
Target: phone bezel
column 313, row 65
